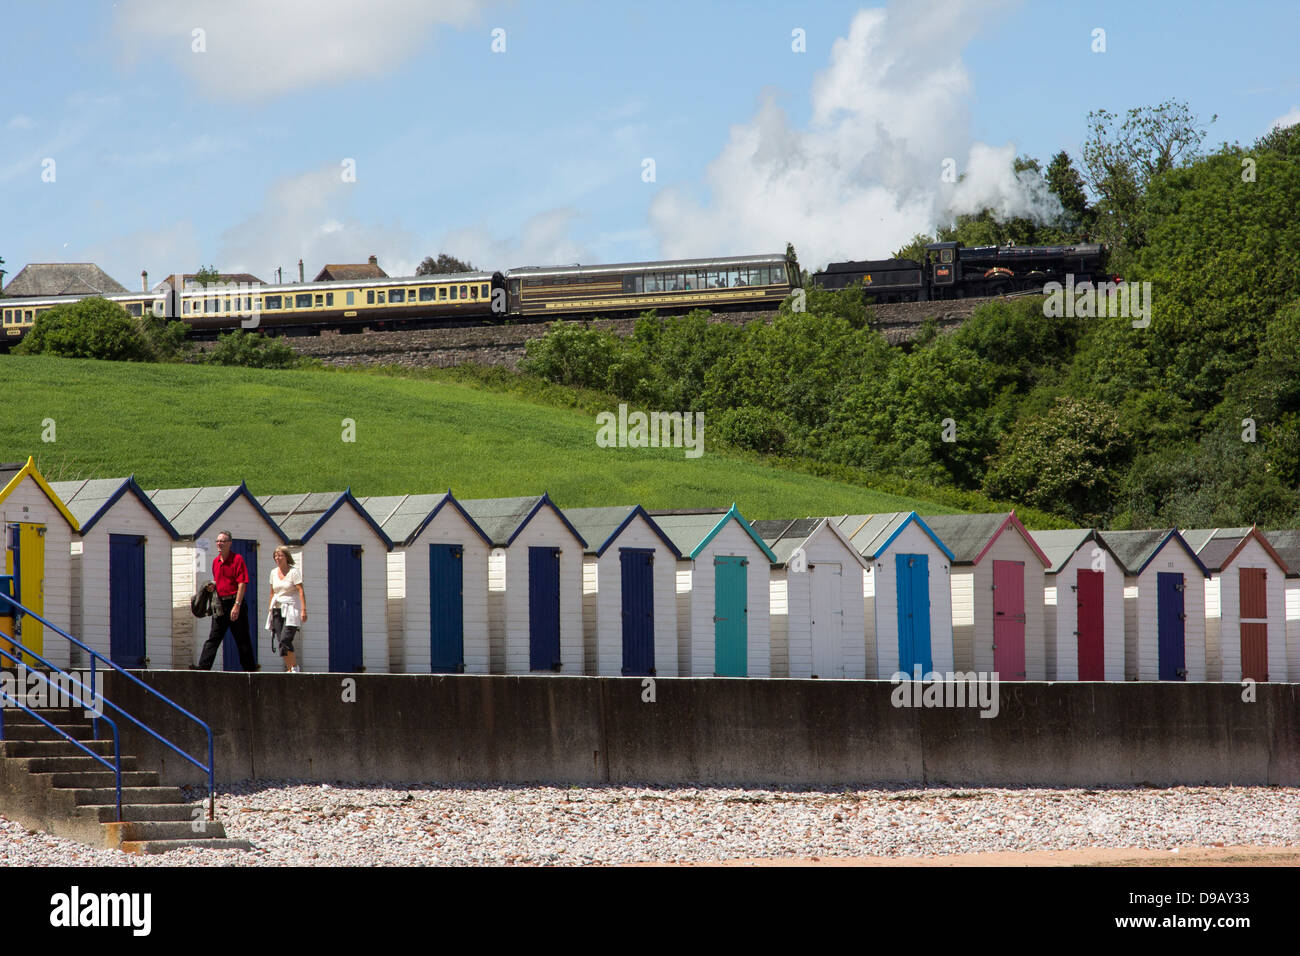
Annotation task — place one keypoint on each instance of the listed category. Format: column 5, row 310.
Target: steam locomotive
column 951, row 271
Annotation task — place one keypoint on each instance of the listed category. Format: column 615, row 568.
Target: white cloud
column 306, row 217
column 252, row 48
column 865, row 175
column 1287, row 119
column 544, row 239
column 20, row 122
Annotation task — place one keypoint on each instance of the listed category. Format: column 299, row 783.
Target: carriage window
column 329, row 298
column 442, row 292
column 302, row 300
column 370, row 297
column 380, row 296
column 484, row 291
column 453, row 292
column 462, row 293
column 426, row 293
column 185, row 307
column 352, row 298
column 320, row 301
column 473, row 292
column 778, row 273
column 397, row 295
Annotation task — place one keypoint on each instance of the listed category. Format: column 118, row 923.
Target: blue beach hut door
column 446, row 608
column 126, row 647
column 345, row 608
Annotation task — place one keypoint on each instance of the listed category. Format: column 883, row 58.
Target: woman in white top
column 288, row 607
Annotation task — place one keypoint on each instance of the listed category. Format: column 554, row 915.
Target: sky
column 166, row 135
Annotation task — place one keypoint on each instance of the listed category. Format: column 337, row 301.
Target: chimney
column 300, row 277
column 144, row 280
column 374, row 261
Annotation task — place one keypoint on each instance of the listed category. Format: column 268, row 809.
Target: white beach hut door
column 827, row 619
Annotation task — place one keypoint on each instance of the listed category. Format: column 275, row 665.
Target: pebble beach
column 299, row 824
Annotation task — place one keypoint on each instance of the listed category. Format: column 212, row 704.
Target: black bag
column 201, row 603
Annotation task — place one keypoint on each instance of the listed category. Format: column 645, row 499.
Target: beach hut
column 1083, row 606
column 343, row 556
column 723, row 623
column 1164, row 605
column 629, row 592
column 1245, row 604
column 197, row 515
column 534, row 585
column 437, row 584
column 907, row 595
column 37, row 530
column 121, row 571
column 816, row 599
column 1287, row 545
column 997, row 595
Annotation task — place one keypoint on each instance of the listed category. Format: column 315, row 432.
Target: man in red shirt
column 231, row 577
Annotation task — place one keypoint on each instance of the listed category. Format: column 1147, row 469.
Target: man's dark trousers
column 238, row 627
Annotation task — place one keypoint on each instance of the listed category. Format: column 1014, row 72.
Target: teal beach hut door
column 730, row 616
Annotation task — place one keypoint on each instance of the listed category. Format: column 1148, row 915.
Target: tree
column 207, row 275
column 443, row 265
column 88, row 328
column 2, row 278
column 1122, row 157
column 1067, row 185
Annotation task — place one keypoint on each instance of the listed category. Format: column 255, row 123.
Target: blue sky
column 167, row 157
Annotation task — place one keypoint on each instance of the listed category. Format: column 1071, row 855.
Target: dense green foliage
column 252, row 350
column 98, row 329
column 1193, row 420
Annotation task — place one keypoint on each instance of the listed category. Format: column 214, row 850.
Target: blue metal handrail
column 95, row 655
column 115, row 766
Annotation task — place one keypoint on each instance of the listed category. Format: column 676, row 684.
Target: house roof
column 191, row 511
column 1217, row 547
column 785, row 536
column 502, row 519
column 300, row 516
column 404, row 517
column 1134, row 550
column 91, row 499
column 1286, row 544
column 12, row 475
column 342, row 271
column 62, row 278
column 1061, row 546
column 600, row 527
column 179, row 280
column 692, row 530
column 969, row 537
column 873, row 534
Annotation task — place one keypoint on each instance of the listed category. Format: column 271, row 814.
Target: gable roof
column 178, row 280
column 873, row 534
column 785, row 536
column 600, row 527
column 343, row 271
column 12, row 475
column 300, row 516
column 502, row 519
column 692, row 530
column 404, row 517
column 191, row 511
column 969, row 537
column 1136, row 549
column 91, row 499
column 62, row 278
column 1286, row 543
column 1217, row 547
column 1061, row 546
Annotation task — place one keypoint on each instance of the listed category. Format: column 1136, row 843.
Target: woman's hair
column 285, row 551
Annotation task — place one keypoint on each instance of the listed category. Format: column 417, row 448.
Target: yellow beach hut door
column 25, row 559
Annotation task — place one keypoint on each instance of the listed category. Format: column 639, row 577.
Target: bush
column 89, row 328
column 252, row 350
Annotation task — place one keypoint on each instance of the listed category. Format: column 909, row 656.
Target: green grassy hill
column 281, row 431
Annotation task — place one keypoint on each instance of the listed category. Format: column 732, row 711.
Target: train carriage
column 758, row 282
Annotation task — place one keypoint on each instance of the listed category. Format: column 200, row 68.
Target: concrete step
column 54, row 748
column 165, row 812
column 35, row 731
column 74, row 763
column 69, row 780
column 162, row 846
column 137, row 831
column 133, row 795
